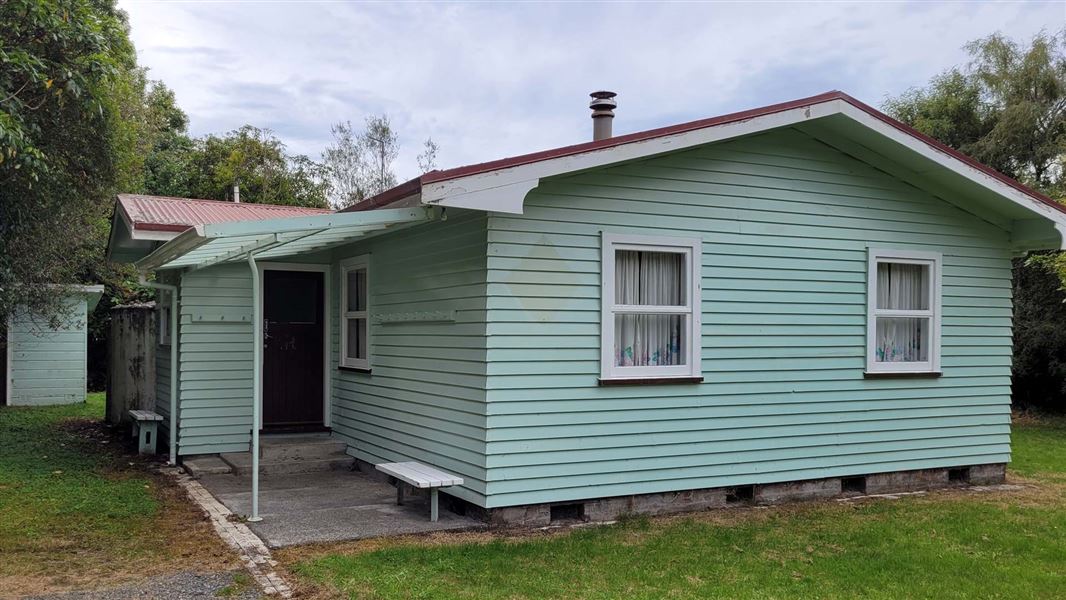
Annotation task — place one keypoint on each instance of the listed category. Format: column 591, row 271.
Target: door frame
column 327, row 331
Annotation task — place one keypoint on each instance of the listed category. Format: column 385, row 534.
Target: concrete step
column 241, row 462
column 199, row 466
column 299, row 447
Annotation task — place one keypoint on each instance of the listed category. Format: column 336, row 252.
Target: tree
column 359, row 165
column 346, row 166
column 69, row 70
column 1007, row 108
column 427, row 160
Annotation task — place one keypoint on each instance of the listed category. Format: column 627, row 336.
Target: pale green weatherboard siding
column 162, row 362
column 48, row 365
column 215, row 359
column 215, row 390
column 785, row 222
column 425, row 399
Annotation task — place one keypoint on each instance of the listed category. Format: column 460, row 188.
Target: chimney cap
column 603, row 100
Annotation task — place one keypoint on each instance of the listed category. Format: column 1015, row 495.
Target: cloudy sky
column 488, row 80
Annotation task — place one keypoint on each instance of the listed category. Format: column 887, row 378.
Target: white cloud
column 492, row 80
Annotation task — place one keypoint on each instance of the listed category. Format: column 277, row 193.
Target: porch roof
column 216, row 243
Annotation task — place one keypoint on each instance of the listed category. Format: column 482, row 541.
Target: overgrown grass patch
column 75, row 510
column 951, row 544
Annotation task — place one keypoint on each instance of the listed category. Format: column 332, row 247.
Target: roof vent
column 602, row 105
column 237, row 193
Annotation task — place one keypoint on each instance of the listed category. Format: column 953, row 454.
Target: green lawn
column 946, row 545
column 74, row 510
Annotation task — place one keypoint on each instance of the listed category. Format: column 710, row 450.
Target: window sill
column 650, row 381
column 353, row 369
column 901, row 374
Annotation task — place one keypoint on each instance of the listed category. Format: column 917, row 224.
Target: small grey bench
column 419, row 476
column 146, row 429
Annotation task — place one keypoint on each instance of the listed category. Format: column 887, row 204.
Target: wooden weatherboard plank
column 46, row 365
column 785, row 223
column 424, row 399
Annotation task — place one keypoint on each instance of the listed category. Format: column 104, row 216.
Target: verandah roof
column 211, row 244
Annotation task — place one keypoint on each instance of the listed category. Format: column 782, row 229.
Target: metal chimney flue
column 237, row 193
column 602, row 105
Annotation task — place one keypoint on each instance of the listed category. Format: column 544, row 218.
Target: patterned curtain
column 902, row 287
column 648, row 279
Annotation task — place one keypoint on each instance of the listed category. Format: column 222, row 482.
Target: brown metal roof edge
column 415, row 185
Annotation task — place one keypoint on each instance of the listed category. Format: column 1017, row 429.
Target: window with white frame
column 651, row 307
column 162, row 304
column 355, row 305
column 903, row 314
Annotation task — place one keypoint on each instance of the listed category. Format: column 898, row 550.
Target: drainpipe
column 257, row 382
column 173, row 289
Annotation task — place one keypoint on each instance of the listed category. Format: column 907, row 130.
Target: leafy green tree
column 68, row 71
column 250, row 157
column 1007, row 108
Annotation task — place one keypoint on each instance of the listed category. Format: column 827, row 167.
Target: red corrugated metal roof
column 415, row 185
column 164, row 213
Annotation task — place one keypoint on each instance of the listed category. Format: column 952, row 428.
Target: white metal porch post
column 257, row 382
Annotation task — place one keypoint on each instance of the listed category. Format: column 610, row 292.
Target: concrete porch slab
column 328, row 506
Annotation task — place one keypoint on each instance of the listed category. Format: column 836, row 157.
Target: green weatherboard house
column 795, row 301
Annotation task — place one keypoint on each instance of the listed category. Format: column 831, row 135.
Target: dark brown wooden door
column 293, row 335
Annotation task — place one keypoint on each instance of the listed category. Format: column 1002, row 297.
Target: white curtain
column 902, row 287
column 648, row 279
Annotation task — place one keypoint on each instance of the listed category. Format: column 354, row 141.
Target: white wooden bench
column 420, row 476
column 146, row 429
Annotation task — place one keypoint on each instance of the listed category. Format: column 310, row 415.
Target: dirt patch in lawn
column 79, row 511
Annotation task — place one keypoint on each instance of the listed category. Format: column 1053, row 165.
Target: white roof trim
column 504, row 189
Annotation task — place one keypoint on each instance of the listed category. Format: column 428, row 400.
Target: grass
column 950, row 544
column 76, row 511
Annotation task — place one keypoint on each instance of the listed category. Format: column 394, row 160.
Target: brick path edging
column 252, row 551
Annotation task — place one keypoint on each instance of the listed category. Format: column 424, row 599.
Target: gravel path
column 170, row 587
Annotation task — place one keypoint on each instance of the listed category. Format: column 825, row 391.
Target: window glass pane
column 902, row 286
column 649, row 278
column 357, row 290
column 356, row 338
column 649, row 340
column 902, row 339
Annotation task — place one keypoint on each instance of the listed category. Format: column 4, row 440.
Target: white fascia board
column 186, row 241
column 504, row 190
column 153, row 236
column 945, row 160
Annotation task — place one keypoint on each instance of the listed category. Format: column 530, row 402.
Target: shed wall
column 785, row 222
column 47, row 366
